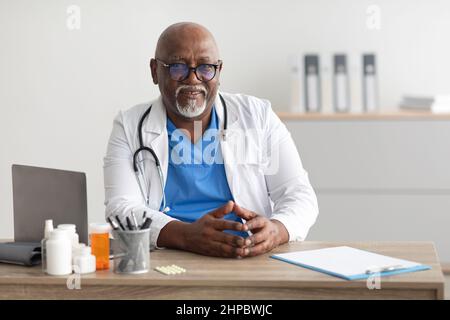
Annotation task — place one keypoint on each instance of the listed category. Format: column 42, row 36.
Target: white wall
column 61, row 88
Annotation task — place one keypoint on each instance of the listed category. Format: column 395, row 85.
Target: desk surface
column 251, row 278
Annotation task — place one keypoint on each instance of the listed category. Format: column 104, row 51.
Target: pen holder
column 131, row 251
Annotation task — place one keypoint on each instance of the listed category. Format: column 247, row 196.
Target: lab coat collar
column 158, row 115
column 231, row 113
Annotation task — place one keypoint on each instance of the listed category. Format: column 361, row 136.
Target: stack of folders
column 350, row 263
column 432, row 103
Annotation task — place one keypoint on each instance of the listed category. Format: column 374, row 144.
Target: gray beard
column 191, row 110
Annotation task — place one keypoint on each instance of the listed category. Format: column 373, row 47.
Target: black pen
column 113, row 224
column 120, row 223
column 144, row 216
column 131, row 227
column 146, row 223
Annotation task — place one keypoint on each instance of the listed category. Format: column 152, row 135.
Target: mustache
column 191, row 88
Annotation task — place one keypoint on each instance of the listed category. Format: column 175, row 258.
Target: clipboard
column 350, row 263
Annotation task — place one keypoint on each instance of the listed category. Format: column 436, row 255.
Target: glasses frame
column 168, row 65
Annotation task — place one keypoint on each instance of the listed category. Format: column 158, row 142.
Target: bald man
column 217, row 173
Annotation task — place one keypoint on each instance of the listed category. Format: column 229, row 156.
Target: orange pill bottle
column 99, row 239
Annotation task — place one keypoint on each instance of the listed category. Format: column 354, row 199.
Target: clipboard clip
column 384, row 269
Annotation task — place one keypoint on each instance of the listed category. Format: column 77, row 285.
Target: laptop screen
column 40, row 194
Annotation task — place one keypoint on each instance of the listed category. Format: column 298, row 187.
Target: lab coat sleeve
column 294, row 200
column 122, row 193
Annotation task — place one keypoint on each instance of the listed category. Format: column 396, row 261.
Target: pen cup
column 131, row 251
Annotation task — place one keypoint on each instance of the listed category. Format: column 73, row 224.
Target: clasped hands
column 206, row 235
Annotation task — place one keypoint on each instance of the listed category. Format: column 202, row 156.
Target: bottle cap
column 48, row 228
column 79, row 246
column 59, row 233
column 99, row 228
column 85, row 251
column 67, row 227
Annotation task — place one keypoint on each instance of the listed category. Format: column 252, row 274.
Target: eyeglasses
column 180, row 71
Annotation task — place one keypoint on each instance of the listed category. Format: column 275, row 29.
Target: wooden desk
column 251, row 278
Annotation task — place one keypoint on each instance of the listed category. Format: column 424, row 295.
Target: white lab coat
column 263, row 168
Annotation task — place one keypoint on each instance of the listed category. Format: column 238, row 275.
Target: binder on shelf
column 297, row 92
column 341, row 86
column 326, row 84
column 370, row 88
column 354, row 70
column 312, row 83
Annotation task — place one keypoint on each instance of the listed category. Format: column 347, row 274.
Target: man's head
column 193, row 45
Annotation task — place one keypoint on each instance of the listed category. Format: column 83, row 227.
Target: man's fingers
column 259, row 237
column 260, row 248
column 256, row 223
column 243, row 213
column 223, row 211
column 227, row 238
column 225, row 250
column 221, row 224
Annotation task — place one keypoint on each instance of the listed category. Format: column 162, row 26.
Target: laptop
column 42, row 193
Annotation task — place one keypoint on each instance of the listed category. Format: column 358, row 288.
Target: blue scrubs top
column 196, row 183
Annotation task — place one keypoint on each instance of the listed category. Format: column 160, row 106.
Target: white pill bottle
column 72, row 233
column 84, row 260
column 59, row 253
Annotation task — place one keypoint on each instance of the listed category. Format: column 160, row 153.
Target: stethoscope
column 139, row 170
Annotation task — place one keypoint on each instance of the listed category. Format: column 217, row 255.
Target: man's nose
column 192, row 78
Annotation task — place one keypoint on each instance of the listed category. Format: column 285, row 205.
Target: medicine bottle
column 84, row 261
column 47, row 229
column 73, row 233
column 99, row 238
column 76, row 251
column 59, row 253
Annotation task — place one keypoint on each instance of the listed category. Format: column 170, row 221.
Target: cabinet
column 378, row 176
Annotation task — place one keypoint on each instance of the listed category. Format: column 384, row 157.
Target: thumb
column 243, row 213
column 224, row 210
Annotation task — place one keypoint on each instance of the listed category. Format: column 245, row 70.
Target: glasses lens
column 206, row 72
column 178, row 71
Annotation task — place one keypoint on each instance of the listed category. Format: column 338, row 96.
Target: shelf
column 376, row 116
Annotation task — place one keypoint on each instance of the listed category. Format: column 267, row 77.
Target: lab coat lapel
column 156, row 134
column 228, row 144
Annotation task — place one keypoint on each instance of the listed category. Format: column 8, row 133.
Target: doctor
column 217, row 173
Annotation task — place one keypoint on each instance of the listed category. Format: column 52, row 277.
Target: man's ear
column 153, row 65
column 220, row 69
